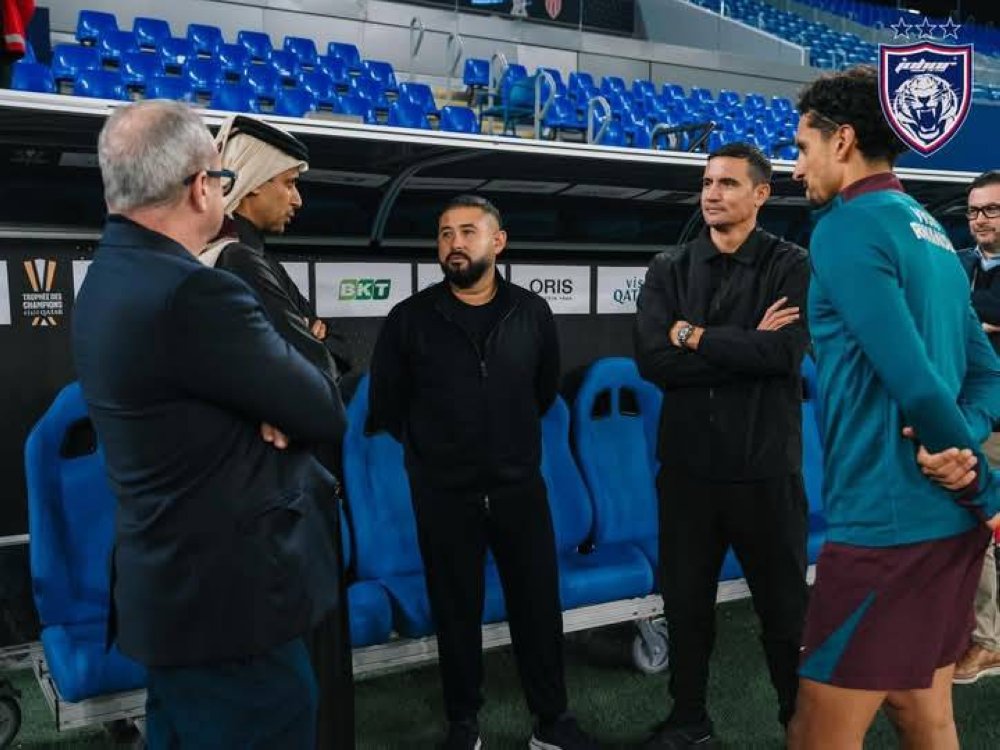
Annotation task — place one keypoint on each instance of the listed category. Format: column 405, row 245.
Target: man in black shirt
column 720, row 329
column 461, row 374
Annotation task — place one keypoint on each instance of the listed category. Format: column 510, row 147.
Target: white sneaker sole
column 989, row 672
column 537, row 744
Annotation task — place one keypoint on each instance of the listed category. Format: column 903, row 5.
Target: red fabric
column 14, row 18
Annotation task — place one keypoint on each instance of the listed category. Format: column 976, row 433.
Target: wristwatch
column 684, row 334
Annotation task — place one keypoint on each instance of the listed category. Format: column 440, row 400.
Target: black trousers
column 766, row 523
column 454, row 531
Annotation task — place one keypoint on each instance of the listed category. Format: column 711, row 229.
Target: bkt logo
column 551, row 286
column 364, row 289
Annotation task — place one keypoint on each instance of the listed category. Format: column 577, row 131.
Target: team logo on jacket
column 926, row 91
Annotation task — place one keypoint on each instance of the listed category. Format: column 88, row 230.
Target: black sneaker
column 462, row 735
column 677, row 737
column 562, row 734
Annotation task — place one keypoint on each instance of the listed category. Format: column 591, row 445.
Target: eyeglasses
column 227, row 178
column 990, row 211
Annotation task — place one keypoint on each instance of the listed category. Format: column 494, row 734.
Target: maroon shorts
column 885, row 618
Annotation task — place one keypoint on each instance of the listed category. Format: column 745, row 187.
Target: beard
column 468, row 275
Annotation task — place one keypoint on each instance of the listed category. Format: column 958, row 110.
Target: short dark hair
column 850, row 97
column 990, row 177
column 473, row 201
column 759, row 165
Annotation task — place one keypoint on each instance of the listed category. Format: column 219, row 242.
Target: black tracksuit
column 730, row 447
column 467, row 408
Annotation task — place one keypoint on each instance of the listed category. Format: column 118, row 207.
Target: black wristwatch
column 683, row 335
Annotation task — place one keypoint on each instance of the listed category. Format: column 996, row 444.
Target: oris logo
column 551, row 286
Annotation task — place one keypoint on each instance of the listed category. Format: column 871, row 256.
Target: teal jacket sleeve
column 861, row 279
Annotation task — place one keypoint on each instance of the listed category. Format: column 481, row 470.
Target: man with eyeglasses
column 982, row 264
column 262, row 200
column 205, row 414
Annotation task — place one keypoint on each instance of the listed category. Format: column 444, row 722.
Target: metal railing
column 417, row 31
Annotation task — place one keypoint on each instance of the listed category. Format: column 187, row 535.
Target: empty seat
column 257, row 43
column 168, row 87
column 138, row 67
column 382, row 73
column 234, row 59
column 206, row 40
column 113, row 44
column 385, row 532
column 234, row 97
column 68, row 60
column 304, row 51
column 613, row 84
column 99, row 84
column 91, row 25
column 643, row 87
column 320, row 86
column 71, row 516
column 175, row 53
column 32, row 76
column 672, row 91
column 336, row 70
column 406, row 114
column 346, row 52
column 371, row 90
column 581, row 86
column 476, row 73
column 421, row 95
column 458, row 120
column 562, row 115
column 286, row 65
column 352, row 104
column 203, row 75
column 150, row 32
column 602, row 573
column 294, row 103
column 263, row 81
column 615, row 419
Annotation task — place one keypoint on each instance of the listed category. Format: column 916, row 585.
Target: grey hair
column 147, row 150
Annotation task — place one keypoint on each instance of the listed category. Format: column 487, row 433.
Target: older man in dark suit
column 206, row 415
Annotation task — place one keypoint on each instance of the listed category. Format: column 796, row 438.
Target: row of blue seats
column 602, row 498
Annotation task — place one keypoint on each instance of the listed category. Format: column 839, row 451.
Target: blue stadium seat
column 458, row 120
column 203, row 75
column 371, row 90
column 352, row 104
column 581, row 87
column 286, row 65
column 320, row 86
column 234, row 61
column 346, row 52
column 206, row 40
column 71, row 516
column 615, row 420
column 138, row 67
column 174, row 55
column 234, row 97
column 113, row 44
column 257, row 43
column 513, row 73
column 263, row 81
column 382, row 73
column 91, row 25
column 294, row 103
column 476, row 73
column 336, row 70
column 304, row 51
column 69, row 59
column 406, row 114
column 605, row 572
column 368, row 603
column 613, row 135
column 385, row 532
column 700, row 94
column 563, row 115
column 99, row 84
column 32, row 76
column 614, row 84
column 673, row 92
column 150, row 32
column 643, row 87
column 421, row 95
column 169, row 87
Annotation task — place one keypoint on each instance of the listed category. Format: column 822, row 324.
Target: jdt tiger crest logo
column 926, row 91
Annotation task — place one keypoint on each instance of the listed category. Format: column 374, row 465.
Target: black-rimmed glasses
column 227, row 178
column 990, row 211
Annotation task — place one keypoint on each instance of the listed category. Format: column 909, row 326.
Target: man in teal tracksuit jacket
column 898, row 346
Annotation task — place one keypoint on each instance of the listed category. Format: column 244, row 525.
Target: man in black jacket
column 205, row 415
column 461, row 374
column 264, row 199
column 720, row 329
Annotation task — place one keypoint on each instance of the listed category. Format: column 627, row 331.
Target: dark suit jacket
column 222, row 549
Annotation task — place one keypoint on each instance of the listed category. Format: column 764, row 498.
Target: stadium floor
column 611, row 699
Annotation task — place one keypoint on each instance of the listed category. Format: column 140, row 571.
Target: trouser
column 454, row 530
column 766, row 523
column 265, row 701
column 987, row 632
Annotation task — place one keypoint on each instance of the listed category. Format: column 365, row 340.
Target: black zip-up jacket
column 469, row 420
column 731, row 409
column 985, row 290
